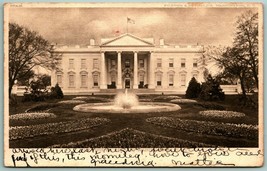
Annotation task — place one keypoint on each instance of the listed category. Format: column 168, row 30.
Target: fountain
column 127, row 103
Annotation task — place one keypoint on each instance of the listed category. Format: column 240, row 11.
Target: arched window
column 84, row 79
column 195, row 74
column 171, row 80
column 59, row 78
column 95, row 79
column 159, row 78
column 183, row 79
column 71, row 79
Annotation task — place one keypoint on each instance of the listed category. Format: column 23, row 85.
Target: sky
column 180, row 26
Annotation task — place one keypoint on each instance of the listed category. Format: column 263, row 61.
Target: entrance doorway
column 127, row 83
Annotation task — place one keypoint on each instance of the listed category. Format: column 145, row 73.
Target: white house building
column 128, row 62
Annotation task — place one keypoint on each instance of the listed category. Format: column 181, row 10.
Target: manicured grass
column 136, row 121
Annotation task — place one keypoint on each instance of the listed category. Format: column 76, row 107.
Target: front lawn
column 54, row 123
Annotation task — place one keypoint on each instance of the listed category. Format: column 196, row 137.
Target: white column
column 103, row 77
column 119, row 85
column 135, row 82
column 151, row 84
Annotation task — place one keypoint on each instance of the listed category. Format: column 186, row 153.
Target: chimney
column 161, row 42
column 92, row 42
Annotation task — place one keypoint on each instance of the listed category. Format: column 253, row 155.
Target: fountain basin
column 142, row 107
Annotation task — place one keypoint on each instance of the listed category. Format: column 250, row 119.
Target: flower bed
column 205, row 127
column 181, row 101
column 80, row 98
column 165, row 98
column 130, row 138
column 92, row 99
column 221, row 114
column 31, row 116
column 20, row 132
column 71, row 102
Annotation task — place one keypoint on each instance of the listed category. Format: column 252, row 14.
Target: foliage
column 56, row 92
column 27, row 49
column 205, row 127
column 193, row 89
column 130, row 138
column 38, row 89
column 21, row 132
column 210, row 90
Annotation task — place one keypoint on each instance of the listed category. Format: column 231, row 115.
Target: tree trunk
column 244, row 96
column 255, row 74
column 11, row 84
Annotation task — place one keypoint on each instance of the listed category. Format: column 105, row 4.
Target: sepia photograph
column 133, row 84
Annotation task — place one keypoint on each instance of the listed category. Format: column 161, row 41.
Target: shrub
column 210, row 90
column 193, row 89
column 56, row 92
column 36, row 92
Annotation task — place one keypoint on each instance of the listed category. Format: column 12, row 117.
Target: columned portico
column 127, row 70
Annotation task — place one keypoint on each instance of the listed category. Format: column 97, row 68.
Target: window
column 83, row 63
column 71, row 63
column 59, row 80
column 159, row 63
column 195, row 62
column 158, row 79
column 171, row 77
column 171, row 62
column 183, row 79
column 141, row 63
column 95, row 79
column 113, row 64
column 127, row 63
column 183, row 63
column 95, row 64
column 83, row 80
column 71, row 80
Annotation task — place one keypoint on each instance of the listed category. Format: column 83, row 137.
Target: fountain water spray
column 126, row 100
column 127, row 103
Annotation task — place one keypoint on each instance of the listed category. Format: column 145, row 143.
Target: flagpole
column 127, row 25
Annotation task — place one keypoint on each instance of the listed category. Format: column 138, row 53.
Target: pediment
column 127, row 40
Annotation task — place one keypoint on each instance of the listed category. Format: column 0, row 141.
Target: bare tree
column 234, row 66
column 240, row 61
column 246, row 40
column 27, row 49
